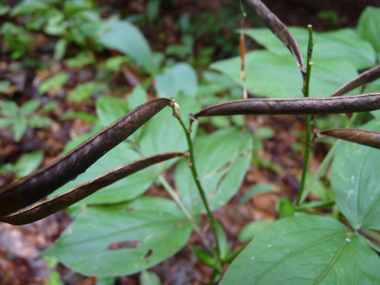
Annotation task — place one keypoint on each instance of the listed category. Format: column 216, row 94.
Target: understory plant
column 119, row 231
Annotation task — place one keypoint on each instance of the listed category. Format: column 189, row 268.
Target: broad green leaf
column 122, row 239
column 222, row 159
column 29, row 107
column 369, row 26
column 110, row 109
column 355, row 180
column 125, row 37
column 341, row 44
column 305, row 250
column 87, row 117
column 163, row 133
column 55, row 81
column 253, row 229
column 277, row 76
column 181, row 77
column 28, row 163
column 125, row 189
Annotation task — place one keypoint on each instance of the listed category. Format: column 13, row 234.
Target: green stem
column 197, row 182
column 326, row 161
column 306, row 91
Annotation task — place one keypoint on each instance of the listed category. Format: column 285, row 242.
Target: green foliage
column 305, row 250
column 368, row 27
column 136, row 243
column 20, row 118
column 56, row 82
column 119, row 232
column 354, row 184
column 25, row 165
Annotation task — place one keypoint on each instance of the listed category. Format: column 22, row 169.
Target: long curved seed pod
column 364, row 137
column 44, row 181
column 364, row 78
column 295, row 106
column 64, row 200
column 279, row 29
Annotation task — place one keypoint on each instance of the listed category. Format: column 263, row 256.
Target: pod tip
column 171, row 102
column 192, row 117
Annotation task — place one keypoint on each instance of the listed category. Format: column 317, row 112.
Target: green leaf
column 4, row 10
column 222, row 159
column 369, row 26
column 60, row 49
column 19, row 128
column 285, row 208
column 125, row 189
column 149, row 278
column 278, row 76
column 256, row 190
column 110, row 109
column 204, row 257
column 224, row 248
column 56, row 81
column 305, row 250
column 5, row 122
column 122, row 239
column 81, row 115
column 29, row 107
column 181, row 77
column 125, row 37
column 9, row 108
column 28, row 163
column 54, row 279
column 163, row 133
column 86, row 90
column 56, row 25
column 355, row 181
column 80, row 60
column 114, row 63
column 253, row 229
column 342, row 44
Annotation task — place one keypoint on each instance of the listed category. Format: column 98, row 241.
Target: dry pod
column 293, row 106
column 30, row 189
column 360, row 80
column 364, row 137
column 279, row 29
column 64, row 200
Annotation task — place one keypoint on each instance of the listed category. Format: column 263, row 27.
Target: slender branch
column 196, row 179
column 306, row 91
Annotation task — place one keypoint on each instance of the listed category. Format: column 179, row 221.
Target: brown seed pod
column 362, row 79
column 30, row 189
column 364, row 137
column 279, row 29
column 293, row 106
column 64, row 200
